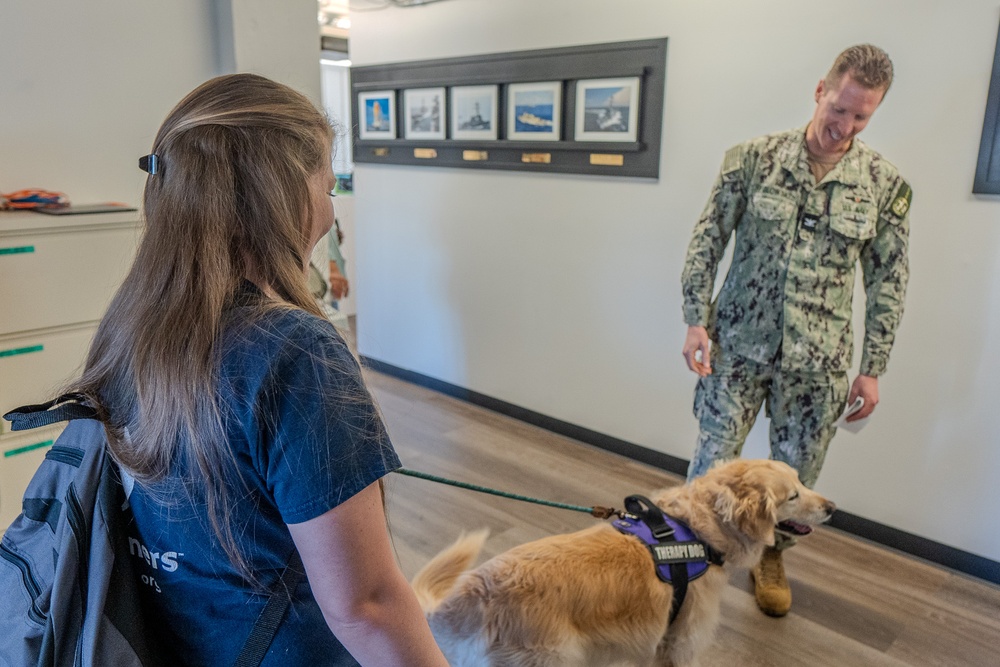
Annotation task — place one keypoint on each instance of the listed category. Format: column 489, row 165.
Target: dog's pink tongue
column 790, row 526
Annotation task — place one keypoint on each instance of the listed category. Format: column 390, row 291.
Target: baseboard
column 914, row 545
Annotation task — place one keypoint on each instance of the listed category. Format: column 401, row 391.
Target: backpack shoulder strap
column 64, row 408
column 266, row 626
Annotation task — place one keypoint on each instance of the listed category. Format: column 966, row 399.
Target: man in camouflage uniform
column 806, row 206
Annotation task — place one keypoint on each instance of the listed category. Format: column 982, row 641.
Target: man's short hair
column 866, row 63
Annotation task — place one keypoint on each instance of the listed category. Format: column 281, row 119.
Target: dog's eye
column 794, row 496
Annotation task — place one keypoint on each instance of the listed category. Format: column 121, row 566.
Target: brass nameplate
column 607, row 159
column 380, row 152
column 425, row 153
column 541, row 158
column 475, row 155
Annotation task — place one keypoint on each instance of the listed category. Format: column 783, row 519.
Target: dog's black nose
column 830, row 507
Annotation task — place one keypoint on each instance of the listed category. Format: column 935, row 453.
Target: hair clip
column 149, row 163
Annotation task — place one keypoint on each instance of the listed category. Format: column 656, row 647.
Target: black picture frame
column 987, row 179
column 645, row 59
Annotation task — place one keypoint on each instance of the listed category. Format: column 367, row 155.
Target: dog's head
column 757, row 497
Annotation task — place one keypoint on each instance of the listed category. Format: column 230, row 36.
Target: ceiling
column 335, row 18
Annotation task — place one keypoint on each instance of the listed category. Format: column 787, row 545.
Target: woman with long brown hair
column 238, row 411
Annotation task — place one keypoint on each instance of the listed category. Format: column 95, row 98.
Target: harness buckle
column 645, row 510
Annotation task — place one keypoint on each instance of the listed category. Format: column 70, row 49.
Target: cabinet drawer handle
column 21, row 350
column 17, row 250
column 27, row 448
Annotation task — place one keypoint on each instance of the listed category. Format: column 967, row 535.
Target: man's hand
column 866, row 387
column 338, row 283
column 696, row 351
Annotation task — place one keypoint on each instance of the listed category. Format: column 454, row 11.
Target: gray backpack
column 65, row 572
column 69, row 590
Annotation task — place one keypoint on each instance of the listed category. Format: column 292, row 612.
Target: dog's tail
column 435, row 580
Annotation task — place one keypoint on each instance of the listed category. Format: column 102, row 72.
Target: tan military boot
column 774, row 597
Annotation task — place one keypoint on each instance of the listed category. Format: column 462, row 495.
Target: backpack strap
column 266, row 627
column 64, row 408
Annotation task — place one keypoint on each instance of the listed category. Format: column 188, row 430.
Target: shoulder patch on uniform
column 733, row 160
column 901, row 204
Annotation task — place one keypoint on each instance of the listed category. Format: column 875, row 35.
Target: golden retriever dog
column 592, row 598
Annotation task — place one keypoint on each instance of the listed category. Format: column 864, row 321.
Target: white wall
column 561, row 293
column 279, row 40
column 85, row 85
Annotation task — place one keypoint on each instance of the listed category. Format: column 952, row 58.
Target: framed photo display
column 534, row 111
column 423, row 113
column 593, row 109
column 474, row 112
column 378, row 114
column 607, row 109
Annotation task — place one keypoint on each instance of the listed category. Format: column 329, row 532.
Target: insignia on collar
column 901, row 204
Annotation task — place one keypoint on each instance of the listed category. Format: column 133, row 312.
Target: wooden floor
column 855, row 603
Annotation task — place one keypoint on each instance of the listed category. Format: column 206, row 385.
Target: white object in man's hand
column 851, row 409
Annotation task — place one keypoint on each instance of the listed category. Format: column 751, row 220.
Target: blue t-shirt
column 306, row 437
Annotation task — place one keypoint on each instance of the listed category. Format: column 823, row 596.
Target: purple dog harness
column 678, row 555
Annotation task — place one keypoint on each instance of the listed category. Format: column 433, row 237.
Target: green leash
column 595, row 511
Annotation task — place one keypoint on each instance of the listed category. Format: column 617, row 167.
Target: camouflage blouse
column 790, row 286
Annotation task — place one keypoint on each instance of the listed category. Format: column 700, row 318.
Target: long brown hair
column 229, row 202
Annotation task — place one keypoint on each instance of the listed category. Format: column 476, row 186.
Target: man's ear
column 820, row 87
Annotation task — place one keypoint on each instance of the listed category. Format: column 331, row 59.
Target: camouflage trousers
column 802, row 407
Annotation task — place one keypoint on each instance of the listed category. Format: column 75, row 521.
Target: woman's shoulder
column 295, row 321
column 282, row 332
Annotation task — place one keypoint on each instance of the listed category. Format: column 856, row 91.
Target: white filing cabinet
column 57, row 275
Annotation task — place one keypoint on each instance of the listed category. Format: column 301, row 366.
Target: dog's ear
column 751, row 509
column 761, row 517
column 725, row 503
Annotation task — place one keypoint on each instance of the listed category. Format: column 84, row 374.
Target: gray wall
column 561, row 293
